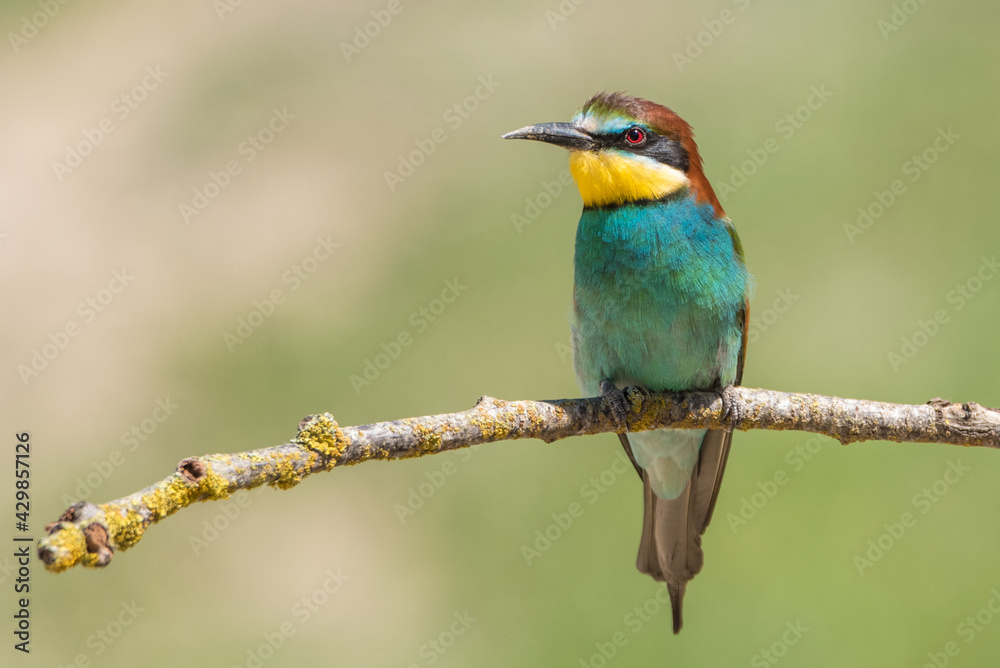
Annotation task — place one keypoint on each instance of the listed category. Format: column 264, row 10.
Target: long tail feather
column 670, row 547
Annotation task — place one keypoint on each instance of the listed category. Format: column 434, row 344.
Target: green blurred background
column 832, row 306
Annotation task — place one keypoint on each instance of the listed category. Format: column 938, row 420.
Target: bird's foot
column 731, row 409
column 617, row 402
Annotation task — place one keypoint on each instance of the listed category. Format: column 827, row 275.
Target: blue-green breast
column 658, row 292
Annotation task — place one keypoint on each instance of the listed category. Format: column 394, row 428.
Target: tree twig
column 90, row 534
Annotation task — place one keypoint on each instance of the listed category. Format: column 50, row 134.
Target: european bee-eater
column 660, row 301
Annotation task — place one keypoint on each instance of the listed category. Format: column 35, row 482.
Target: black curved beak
column 566, row 135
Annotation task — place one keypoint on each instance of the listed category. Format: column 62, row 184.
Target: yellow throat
column 607, row 178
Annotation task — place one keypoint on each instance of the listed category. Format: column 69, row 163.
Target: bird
column 660, row 301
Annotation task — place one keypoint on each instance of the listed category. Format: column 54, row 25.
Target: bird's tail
column 670, row 547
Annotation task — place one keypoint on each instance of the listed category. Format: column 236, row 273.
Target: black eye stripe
column 660, row 148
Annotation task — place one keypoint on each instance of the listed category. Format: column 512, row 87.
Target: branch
column 90, row 534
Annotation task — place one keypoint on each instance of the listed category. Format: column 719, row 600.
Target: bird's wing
column 715, row 447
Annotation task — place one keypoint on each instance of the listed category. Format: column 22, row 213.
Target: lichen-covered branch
column 90, row 534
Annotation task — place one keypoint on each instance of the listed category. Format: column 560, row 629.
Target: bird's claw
column 731, row 409
column 617, row 402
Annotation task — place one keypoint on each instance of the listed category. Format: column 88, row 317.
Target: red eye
column 635, row 136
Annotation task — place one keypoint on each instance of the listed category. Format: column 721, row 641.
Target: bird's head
column 625, row 149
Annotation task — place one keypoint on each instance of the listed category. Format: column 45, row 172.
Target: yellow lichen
column 64, row 548
column 90, row 560
column 168, row 497
column 178, row 492
column 491, row 428
column 214, row 487
column 490, row 419
column 429, row 439
column 322, row 434
column 647, row 407
column 288, row 475
column 125, row 527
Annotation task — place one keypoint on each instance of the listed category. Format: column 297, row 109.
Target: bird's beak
column 566, row 135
